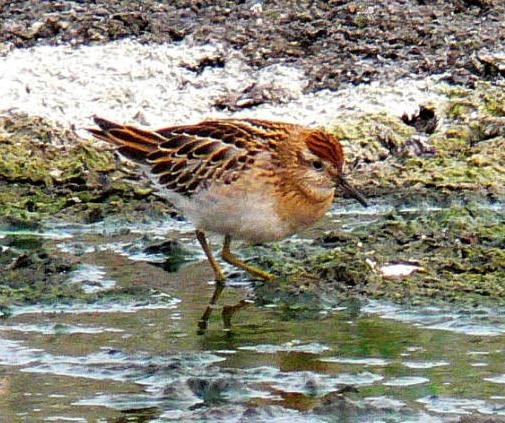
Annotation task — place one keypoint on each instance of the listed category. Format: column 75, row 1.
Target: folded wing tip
column 104, row 124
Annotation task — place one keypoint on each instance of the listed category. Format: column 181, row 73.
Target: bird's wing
column 185, row 158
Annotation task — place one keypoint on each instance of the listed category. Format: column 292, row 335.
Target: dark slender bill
column 348, row 189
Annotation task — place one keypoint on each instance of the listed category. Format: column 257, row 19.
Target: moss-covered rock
column 31, row 273
column 369, row 138
column 47, row 171
column 35, row 271
column 458, row 165
column 460, row 253
column 464, row 157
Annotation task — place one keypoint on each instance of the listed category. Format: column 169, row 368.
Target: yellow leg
column 218, row 273
column 230, row 258
column 228, row 311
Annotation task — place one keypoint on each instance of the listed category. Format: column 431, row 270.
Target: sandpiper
column 248, row 179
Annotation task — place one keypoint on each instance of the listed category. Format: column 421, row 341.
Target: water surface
column 142, row 360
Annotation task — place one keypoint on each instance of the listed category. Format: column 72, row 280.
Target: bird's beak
column 349, row 190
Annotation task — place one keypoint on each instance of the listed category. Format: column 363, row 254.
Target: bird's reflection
column 227, row 313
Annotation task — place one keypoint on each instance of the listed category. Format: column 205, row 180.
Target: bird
column 245, row 179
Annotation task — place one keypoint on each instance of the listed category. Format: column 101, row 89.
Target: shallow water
column 142, row 360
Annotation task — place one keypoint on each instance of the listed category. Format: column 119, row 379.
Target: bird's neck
column 301, row 209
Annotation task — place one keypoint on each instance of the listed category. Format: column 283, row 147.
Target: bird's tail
column 135, row 144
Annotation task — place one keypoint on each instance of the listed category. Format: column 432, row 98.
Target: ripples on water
column 143, row 359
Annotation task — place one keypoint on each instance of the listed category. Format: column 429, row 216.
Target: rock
column 425, row 120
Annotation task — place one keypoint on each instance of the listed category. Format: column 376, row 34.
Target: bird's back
column 186, row 159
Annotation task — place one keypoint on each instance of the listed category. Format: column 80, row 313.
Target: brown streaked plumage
column 247, row 179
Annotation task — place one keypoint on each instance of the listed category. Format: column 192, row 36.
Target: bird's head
column 322, row 160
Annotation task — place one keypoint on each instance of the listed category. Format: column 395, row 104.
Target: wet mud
column 335, row 42
column 393, row 313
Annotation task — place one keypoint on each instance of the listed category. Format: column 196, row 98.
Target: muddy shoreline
column 391, row 313
column 439, row 172
column 447, row 155
column 335, row 42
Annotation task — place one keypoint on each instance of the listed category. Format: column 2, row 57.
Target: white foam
column 406, row 381
column 151, row 84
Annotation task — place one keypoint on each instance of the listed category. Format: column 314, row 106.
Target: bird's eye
column 317, row 165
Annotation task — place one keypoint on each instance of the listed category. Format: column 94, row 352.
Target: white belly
column 247, row 215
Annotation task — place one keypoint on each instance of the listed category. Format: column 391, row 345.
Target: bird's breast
column 253, row 209
column 300, row 212
column 243, row 214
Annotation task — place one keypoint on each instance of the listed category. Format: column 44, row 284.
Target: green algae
column 372, row 137
column 486, row 99
column 460, row 253
column 47, row 171
column 463, row 156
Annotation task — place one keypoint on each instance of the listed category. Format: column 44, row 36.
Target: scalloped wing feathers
column 185, row 158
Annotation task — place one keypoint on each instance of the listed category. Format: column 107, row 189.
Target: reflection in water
column 140, row 359
column 228, row 311
column 399, row 372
